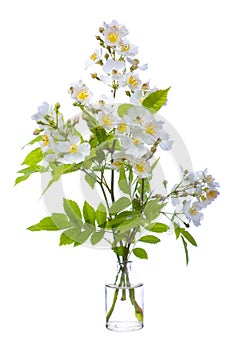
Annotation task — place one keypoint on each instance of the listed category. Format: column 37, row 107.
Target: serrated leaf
column 96, row 237
column 28, row 171
column 64, row 240
column 101, row 215
column 89, row 213
column 120, row 205
column 123, row 108
column 185, row 249
column 34, row 157
column 46, row 224
column 155, row 100
column 73, row 211
column 150, row 239
column 77, row 235
column 188, row 236
column 140, row 253
column 157, row 227
column 60, row 220
column 91, row 179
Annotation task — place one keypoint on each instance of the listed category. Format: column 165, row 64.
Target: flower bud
column 94, row 75
column 36, row 132
column 57, row 105
column 101, row 29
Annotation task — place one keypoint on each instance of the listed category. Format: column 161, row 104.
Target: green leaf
column 21, row 178
column 120, row 205
column 60, row 220
column 122, row 218
column 34, row 157
column 150, row 239
column 121, row 251
column 157, row 227
column 91, row 179
column 101, row 215
column 46, row 224
column 56, row 174
column 89, row 213
column 96, row 237
column 188, row 236
column 127, row 225
column 185, row 249
column 77, row 235
column 65, row 240
column 140, row 253
column 36, row 139
column 152, row 208
column 123, row 108
column 155, row 100
column 122, row 182
column 177, row 230
column 73, row 211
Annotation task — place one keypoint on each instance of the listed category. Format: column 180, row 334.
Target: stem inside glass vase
column 124, row 301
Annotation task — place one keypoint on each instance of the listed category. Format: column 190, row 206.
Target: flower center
column 117, row 163
column 202, row 197
column 133, row 81
column 122, row 127
column 150, row 129
column 112, row 37
column 136, row 141
column 107, row 120
column 193, row 210
column 45, row 140
column 82, row 94
column 94, row 56
column 212, row 194
column 125, row 47
column 140, row 167
column 138, row 119
column 73, row 148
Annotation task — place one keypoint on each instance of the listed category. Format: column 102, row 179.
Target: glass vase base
column 124, row 326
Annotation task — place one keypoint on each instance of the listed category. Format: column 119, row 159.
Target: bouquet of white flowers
column 117, row 156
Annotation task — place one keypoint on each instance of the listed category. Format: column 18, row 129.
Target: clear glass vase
column 124, row 301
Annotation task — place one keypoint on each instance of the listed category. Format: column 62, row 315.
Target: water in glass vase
column 124, row 301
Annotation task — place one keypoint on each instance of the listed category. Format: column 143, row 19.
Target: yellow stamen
column 73, row 148
column 203, row 197
column 112, row 37
column 125, row 47
column 117, row 164
column 45, row 140
column 94, row 56
column 140, row 167
column 122, row 127
column 133, row 81
column 82, row 94
column 136, row 141
column 150, row 129
column 107, row 120
column 212, row 194
column 193, row 210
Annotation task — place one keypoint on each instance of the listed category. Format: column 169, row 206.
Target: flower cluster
column 119, row 150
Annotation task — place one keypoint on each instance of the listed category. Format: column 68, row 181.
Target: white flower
column 133, row 81
column 142, row 168
column 47, row 142
column 133, row 146
column 125, row 48
column 114, row 33
column 114, row 70
column 136, row 63
column 211, row 194
column 107, row 118
column 80, row 92
column 72, row 151
column 136, row 115
column 192, row 212
column 43, row 111
column 94, row 58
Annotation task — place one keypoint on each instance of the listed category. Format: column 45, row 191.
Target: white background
column 52, row 297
